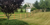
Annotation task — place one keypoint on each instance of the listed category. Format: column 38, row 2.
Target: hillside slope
column 41, row 18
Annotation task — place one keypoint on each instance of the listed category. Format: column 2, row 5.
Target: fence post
column 25, row 15
column 14, row 16
column 20, row 15
column 4, row 15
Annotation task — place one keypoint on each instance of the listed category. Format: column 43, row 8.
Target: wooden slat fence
column 19, row 15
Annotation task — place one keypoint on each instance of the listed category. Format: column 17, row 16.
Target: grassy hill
column 40, row 18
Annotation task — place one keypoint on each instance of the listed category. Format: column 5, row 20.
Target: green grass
column 19, row 10
column 1, row 13
column 4, row 21
column 1, row 16
column 40, row 18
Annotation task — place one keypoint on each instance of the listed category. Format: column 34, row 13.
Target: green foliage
column 48, row 9
column 21, row 10
column 43, row 4
column 48, row 3
column 25, row 6
column 36, row 5
column 28, row 6
column 12, row 22
column 2, row 19
column 33, row 9
column 16, row 10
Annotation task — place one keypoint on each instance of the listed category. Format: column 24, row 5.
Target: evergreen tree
column 44, row 4
column 36, row 5
column 28, row 5
column 21, row 9
column 25, row 7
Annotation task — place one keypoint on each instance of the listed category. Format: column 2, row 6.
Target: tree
column 25, row 7
column 28, row 5
column 44, row 4
column 36, row 5
column 48, row 2
column 9, row 6
column 21, row 9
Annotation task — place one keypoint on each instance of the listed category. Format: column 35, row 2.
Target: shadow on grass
column 12, row 22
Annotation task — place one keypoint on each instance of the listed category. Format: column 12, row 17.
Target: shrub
column 2, row 19
column 33, row 9
column 48, row 9
column 13, row 22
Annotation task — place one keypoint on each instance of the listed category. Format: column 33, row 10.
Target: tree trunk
column 8, row 17
column 45, row 10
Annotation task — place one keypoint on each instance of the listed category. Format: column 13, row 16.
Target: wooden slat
column 16, row 16
column 1, row 15
column 4, row 15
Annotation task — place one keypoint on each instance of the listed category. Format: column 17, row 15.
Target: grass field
column 41, row 18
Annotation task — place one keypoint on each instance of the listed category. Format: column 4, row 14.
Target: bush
column 13, row 22
column 48, row 9
column 2, row 19
column 33, row 9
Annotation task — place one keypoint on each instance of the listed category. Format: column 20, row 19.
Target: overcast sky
column 30, row 1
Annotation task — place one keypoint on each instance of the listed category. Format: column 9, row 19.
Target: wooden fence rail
column 19, row 15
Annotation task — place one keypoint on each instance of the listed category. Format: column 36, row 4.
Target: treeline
column 43, row 5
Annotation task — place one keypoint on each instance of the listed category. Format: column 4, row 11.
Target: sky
column 29, row 1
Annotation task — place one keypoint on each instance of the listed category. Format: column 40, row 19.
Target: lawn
column 4, row 21
column 41, row 18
